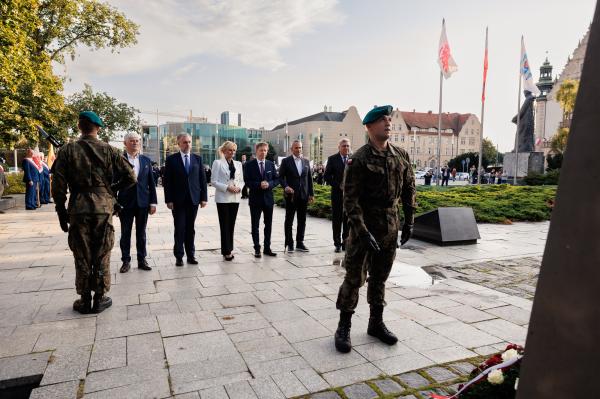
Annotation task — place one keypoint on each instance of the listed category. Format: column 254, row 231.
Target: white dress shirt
column 298, row 162
column 135, row 162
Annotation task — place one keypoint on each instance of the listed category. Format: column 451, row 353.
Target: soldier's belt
column 95, row 190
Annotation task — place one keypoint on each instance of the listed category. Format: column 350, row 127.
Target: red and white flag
column 485, row 66
column 445, row 60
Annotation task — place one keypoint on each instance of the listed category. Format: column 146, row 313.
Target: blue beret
column 92, row 117
column 376, row 113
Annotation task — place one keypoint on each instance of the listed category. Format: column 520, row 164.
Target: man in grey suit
column 296, row 179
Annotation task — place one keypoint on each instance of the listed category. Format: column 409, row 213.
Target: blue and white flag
column 526, row 75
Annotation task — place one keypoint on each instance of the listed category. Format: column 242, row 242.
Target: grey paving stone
column 511, row 313
column 189, row 395
column 428, row 392
column 279, row 311
column 351, row 375
column 145, row 349
column 271, row 367
column 311, row 380
column 162, row 308
column 326, row 395
column 388, row 386
column 187, row 323
column 466, row 313
column 440, row 374
column 378, row 350
column 108, row 354
column 253, row 335
column 22, row 370
column 265, row 349
column 20, row 343
column 413, row 380
column 301, row 329
column 464, row 334
column 198, row 347
column 123, row 376
column 360, row 391
column 157, row 388
column 463, row 368
column 64, row 390
column 322, row 355
column 68, row 364
column 126, row 328
column 265, row 388
column 450, row 354
column 289, row 384
column 214, row 393
column 69, row 338
column 240, row 390
column 402, row 363
column 155, row 297
column 138, row 311
column 268, row 296
column 195, row 376
column 233, row 300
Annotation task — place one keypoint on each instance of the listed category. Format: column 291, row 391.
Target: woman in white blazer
column 228, row 179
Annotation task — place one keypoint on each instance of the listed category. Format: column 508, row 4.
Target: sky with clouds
column 273, row 60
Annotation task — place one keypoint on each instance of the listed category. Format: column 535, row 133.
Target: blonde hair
column 226, row 145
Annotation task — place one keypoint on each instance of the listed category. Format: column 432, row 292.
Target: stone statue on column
column 525, row 128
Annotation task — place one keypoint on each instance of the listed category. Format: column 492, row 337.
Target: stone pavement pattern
column 243, row 329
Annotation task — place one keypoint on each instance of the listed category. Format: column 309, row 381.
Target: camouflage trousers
column 91, row 238
column 363, row 265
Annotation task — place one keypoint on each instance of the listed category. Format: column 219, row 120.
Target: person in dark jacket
column 137, row 201
column 31, row 178
column 334, row 176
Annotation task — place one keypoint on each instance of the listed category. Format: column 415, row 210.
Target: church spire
column 546, row 82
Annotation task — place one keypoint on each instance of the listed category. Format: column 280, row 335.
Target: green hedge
column 543, row 179
column 493, row 203
column 15, row 184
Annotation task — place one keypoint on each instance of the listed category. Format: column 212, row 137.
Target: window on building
column 395, row 137
column 411, row 150
column 429, row 150
column 417, row 150
column 402, row 138
column 472, row 141
column 393, row 126
column 462, row 140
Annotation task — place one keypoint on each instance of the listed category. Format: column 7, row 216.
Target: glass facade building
column 206, row 139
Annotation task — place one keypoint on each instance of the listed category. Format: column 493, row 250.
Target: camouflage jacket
column 374, row 183
column 85, row 172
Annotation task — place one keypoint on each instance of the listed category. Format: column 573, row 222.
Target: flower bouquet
column 495, row 378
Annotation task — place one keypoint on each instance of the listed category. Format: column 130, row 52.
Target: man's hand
column 311, row 199
column 170, row 205
column 152, row 209
column 63, row 219
column 264, row 184
column 370, row 242
column 203, row 204
column 289, row 190
column 30, row 183
column 407, row 230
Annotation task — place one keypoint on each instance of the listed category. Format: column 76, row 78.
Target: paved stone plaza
column 252, row 327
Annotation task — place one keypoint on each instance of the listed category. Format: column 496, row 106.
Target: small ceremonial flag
column 445, row 60
column 526, row 75
column 485, row 65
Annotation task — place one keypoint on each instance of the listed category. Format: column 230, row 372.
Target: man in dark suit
column 296, row 179
column 137, row 201
column 334, row 176
column 185, row 189
column 260, row 177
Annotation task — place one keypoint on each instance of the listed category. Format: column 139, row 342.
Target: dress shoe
column 289, row 248
column 268, row 252
column 143, row 264
column 179, row 262
column 338, row 248
column 83, row 305
column 126, row 266
column 257, row 253
column 300, row 247
column 192, row 261
column 229, row 257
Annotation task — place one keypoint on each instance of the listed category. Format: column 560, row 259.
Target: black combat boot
column 83, row 305
column 378, row 329
column 342, row 334
column 101, row 302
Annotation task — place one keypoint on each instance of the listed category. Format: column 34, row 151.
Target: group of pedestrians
column 367, row 189
column 36, row 176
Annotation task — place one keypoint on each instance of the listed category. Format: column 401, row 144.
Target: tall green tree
column 30, row 93
column 490, row 154
column 566, row 96
column 271, row 153
column 117, row 116
column 67, row 24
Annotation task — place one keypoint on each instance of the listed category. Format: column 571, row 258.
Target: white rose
column 509, row 354
column 496, row 377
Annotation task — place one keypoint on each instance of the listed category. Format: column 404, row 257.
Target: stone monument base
column 529, row 162
column 7, row 203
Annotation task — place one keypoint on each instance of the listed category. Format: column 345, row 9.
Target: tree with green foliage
column 566, row 96
column 271, row 153
column 490, row 154
column 117, row 116
column 30, row 93
column 68, row 24
column 247, row 151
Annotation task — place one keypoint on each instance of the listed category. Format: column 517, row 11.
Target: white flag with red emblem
column 445, row 60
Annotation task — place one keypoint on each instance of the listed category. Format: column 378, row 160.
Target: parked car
column 420, row 174
column 462, row 176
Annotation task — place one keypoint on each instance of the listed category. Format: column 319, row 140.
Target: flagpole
column 518, row 121
column 438, row 169
column 482, row 111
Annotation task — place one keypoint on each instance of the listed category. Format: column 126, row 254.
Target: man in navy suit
column 260, row 176
column 31, row 178
column 334, row 176
column 296, row 179
column 185, row 188
column 137, row 201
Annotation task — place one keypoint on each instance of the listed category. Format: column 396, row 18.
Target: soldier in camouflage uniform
column 92, row 171
column 377, row 177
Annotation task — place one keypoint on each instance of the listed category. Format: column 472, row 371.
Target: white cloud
column 251, row 32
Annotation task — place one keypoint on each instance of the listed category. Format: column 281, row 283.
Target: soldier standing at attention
column 377, row 177
column 89, row 169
